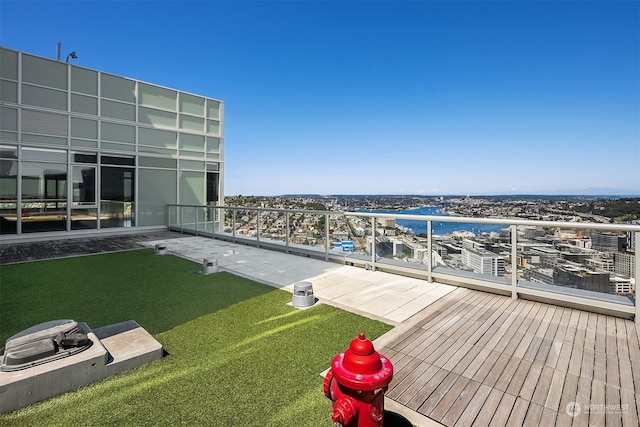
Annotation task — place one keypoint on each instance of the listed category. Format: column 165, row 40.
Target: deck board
column 425, row 392
column 482, row 359
column 488, row 410
column 542, row 386
column 449, row 399
column 418, row 376
column 474, row 406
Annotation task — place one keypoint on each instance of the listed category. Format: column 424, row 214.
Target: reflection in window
column 84, row 185
column 83, row 219
column 8, row 189
column 44, row 196
column 117, row 193
column 213, row 180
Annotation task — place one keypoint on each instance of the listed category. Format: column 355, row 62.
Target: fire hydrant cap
column 361, row 367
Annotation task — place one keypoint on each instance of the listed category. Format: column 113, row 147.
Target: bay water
column 420, row 227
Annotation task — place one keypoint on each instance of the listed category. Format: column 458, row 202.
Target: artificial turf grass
column 159, row 292
column 247, row 361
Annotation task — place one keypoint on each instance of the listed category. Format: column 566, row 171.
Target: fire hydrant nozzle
column 344, row 411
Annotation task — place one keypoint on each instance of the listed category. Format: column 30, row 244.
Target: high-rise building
column 482, row 261
column 82, row 149
column 625, row 263
column 607, row 241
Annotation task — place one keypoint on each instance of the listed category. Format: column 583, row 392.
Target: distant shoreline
column 442, row 228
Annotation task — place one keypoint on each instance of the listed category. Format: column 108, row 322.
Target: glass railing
column 577, row 264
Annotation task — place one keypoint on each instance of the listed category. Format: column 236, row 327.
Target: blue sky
column 355, row 97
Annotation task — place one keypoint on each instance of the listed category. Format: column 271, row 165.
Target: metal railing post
column 429, row 252
column 326, row 237
column 233, row 225
column 196, row 217
column 258, row 228
column 514, row 261
column 373, row 243
column 213, row 221
column 286, row 226
column 182, row 219
column 636, row 276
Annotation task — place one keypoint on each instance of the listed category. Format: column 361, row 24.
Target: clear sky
column 356, row 97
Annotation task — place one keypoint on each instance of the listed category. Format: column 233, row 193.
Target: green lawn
column 239, row 355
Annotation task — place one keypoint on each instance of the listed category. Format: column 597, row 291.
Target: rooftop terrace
column 461, row 356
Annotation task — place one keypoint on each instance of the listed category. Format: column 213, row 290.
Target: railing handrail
column 248, row 208
column 440, row 218
column 502, row 221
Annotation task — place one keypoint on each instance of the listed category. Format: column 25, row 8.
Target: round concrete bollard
column 303, row 295
column 161, row 249
column 209, row 266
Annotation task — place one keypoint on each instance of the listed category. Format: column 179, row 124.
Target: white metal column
column 514, row 261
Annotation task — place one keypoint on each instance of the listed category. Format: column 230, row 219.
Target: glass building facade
column 86, row 150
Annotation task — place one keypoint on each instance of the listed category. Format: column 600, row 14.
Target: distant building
column 483, row 262
column 608, row 242
column 539, row 275
column 398, row 247
column 420, row 254
column 622, row 286
column 340, row 235
column 576, row 254
column 533, row 232
column 547, row 255
column 582, row 242
column 441, row 250
column 631, row 241
column 471, row 244
column 581, row 278
column 625, row 264
column 601, row 264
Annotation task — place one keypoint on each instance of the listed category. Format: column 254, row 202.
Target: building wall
column 625, row 263
column 483, row 262
column 608, row 242
column 81, row 148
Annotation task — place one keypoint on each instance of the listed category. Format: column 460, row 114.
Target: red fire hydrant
column 356, row 383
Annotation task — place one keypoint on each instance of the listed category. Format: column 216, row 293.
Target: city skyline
column 428, row 98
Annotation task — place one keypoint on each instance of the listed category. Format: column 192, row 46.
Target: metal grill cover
column 44, row 343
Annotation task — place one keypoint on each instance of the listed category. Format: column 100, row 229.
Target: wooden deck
column 478, row 359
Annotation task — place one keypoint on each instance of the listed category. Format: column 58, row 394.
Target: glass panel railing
column 580, row 262
column 356, row 229
column 208, row 216
column 246, row 223
column 471, row 249
column 173, row 215
column 228, row 221
column 188, row 218
column 526, row 257
column 306, row 231
column 341, row 239
column 272, row 226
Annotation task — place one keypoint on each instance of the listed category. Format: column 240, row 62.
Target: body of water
column 420, row 227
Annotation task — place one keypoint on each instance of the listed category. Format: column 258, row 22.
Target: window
column 83, row 178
